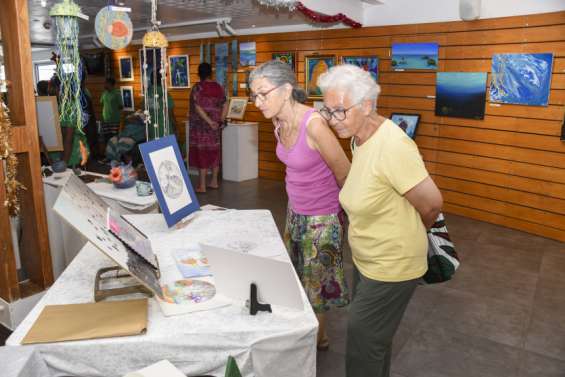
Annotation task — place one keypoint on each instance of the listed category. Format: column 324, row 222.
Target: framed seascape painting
column 368, row 63
column 127, row 98
column 407, row 122
column 169, row 178
column 126, row 68
column 178, row 71
column 461, row 94
column 316, row 65
column 522, row 79
column 414, row 56
column 286, row 57
column 247, row 54
column 236, row 109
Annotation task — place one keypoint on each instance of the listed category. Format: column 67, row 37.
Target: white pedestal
column 240, row 151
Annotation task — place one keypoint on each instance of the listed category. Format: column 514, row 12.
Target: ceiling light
column 43, row 3
column 253, row 25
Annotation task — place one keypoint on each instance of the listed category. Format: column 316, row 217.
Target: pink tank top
column 310, row 184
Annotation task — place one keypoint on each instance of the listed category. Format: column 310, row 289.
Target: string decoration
column 10, row 161
column 293, row 5
column 154, row 75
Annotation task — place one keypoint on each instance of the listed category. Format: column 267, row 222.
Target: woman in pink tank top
column 316, row 168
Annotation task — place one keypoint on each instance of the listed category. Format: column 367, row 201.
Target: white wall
column 398, row 12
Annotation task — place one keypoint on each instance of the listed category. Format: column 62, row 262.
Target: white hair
column 357, row 83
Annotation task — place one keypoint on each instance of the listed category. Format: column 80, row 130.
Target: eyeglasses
column 262, row 96
column 338, row 114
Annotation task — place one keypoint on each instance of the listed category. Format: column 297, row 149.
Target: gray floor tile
column 467, row 313
column 534, row 365
column 439, row 352
column 330, row 364
column 546, row 332
column 502, row 258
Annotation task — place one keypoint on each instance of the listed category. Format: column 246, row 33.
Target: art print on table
column 315, row 66
column 85, row 211
column 236, row 108
column 461, row 94
column 126, row 68
column 127, row 98
column 169, row 178
column 368, row 63
column 522, row 79
column 286, row 57
column 178, row 71
column 191, row 263
column 414, row 56
column 247, row 54
column 407, row 122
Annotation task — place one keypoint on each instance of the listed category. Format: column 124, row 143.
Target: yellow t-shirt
column 386, row 234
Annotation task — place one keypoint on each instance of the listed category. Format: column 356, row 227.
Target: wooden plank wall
column 507, row 169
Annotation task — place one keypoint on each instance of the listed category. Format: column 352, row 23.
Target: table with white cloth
column 64, row 241
column 22, row 362
column 282, row 343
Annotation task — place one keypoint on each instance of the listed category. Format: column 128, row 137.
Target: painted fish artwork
column 461, row 94
column 414, row 56
column 523, row 79
column 368, row 63
column 191, row 263
column 113, row 28
column 188, row 291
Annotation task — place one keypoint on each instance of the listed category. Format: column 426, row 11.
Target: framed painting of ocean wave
column 522, row 79
column 461, row 94
column 414, row 56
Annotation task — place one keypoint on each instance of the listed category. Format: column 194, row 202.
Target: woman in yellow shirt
column 391, row 201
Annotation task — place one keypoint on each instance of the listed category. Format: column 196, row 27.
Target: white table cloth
column 22, row 362
column 282, row 343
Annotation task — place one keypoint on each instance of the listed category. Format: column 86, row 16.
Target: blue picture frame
column 168, row 175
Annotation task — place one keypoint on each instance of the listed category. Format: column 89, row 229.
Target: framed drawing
column 169, row 178
column 126, row 68
column 414, row 56
column 127, row 97
column 286, row 57
column 407, row 122
column 368, row 63
column 315, row 66
column 236, row 108
column 48, row 123
column 178, row 71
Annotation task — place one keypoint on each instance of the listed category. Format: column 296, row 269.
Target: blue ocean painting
column 461, row 94
column 522, row 79
column 221, row 50
column 178, row 65
column 368, row 63
column 414, row 55
column 247, row 54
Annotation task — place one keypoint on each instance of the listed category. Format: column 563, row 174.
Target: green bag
column 232, row 370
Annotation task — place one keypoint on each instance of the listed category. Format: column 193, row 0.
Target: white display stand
column 240, row 151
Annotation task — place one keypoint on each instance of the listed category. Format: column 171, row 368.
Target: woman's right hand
column 214, row 125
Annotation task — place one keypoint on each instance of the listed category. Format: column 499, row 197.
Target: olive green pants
column 374, row 315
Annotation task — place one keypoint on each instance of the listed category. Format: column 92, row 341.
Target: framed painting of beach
column 407, row 56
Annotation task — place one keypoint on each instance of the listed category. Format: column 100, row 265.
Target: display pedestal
column 240, row 151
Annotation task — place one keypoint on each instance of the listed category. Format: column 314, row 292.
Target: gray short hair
column 356, row 82
column 279, row 73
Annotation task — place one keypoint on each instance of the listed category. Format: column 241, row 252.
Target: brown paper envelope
column 58, row 323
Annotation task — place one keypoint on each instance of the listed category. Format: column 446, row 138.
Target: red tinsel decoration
column 317, row 17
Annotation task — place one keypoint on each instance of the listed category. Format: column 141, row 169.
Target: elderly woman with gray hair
column 316, row 167
column 390, row 200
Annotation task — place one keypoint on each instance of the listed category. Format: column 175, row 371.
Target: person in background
column 390, row 200
column 112, row 106
column 43, row 88
column 316, row 168
column 208, row 109
column 122, row 146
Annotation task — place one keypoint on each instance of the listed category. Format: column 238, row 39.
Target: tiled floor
column 503, row 315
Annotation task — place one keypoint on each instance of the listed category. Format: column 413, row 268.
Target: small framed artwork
column 407, row 122
column 48, row 123
column 126, row 68
column 316, row 65
column 236, row 108
column 368, row 63
column 178, row 71
column 414, row 56
column 127, row 98
column 286, row 57
column 247, row 54
column 168, row 175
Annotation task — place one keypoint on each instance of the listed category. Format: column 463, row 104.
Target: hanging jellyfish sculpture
column 156, row 100
column 68, row 69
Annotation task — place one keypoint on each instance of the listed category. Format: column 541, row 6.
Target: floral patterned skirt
column 314, row 244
